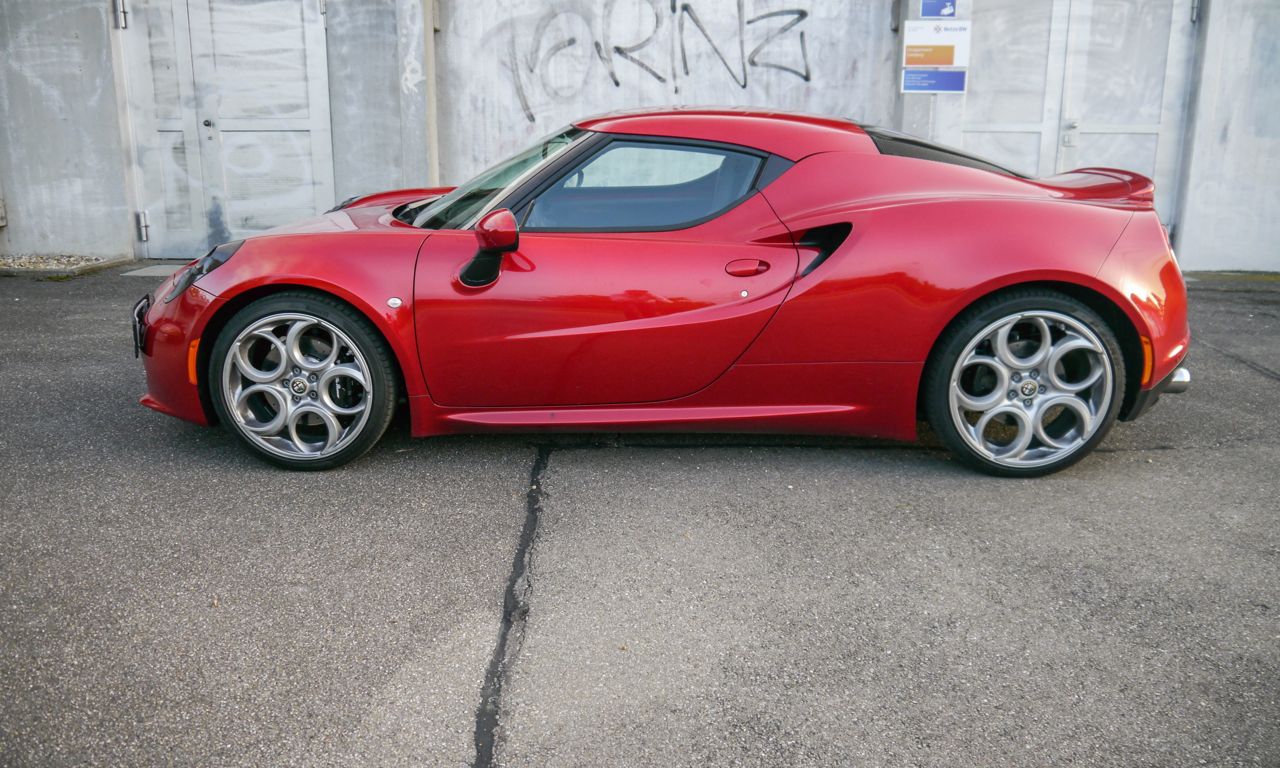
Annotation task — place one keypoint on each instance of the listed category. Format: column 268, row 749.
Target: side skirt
column 858, row 399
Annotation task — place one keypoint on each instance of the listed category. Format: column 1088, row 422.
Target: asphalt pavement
column 629, row 600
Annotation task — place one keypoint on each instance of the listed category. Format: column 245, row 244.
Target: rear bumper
column 1177, row 382
column 166, row 337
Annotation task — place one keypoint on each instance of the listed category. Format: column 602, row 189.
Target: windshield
column 456, row 209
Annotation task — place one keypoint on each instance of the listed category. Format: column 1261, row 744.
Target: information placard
column 937, row 9
column 936, row 44
column 934, row 80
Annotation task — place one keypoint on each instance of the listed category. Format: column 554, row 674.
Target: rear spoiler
column 1103, row 185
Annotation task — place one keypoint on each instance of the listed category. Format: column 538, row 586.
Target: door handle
column 746, row 267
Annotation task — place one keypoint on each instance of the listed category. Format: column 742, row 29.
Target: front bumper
column 166, row 336
column 1177, row 382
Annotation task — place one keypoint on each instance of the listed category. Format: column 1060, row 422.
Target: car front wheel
column 303, row 381
column 1025, row 384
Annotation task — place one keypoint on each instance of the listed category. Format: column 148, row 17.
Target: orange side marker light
column 192, row 352
column 1147, row 360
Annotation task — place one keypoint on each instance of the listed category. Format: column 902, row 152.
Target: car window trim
column 520, row 200
column 538, row 168
column 541, row 176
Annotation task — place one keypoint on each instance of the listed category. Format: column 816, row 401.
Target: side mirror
column 497, row 233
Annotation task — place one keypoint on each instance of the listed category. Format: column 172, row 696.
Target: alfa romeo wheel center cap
column 1029, row 388
column 299, row 386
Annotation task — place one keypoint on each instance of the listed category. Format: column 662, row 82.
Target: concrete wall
column 513, row 70
column 1232, row 190
column 1115, row 69
column 377, row 95
column 61, row 157
column 509, row 71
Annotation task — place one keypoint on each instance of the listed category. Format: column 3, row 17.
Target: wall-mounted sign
column 937, row 9
column 934, row 80
column 936, row 44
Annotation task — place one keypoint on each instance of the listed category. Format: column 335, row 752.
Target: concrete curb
column 1267, row 277
column 83, row 269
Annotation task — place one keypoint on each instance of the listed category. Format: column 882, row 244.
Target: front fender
column 364, row 269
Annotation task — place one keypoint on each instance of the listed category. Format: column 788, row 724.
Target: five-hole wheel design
column 296, row 385
column 303, row 380
column 1025, row 384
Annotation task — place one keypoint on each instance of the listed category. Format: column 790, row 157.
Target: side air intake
column 826, row 239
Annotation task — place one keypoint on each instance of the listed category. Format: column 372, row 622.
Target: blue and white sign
column 933, row 80
column 937, row 9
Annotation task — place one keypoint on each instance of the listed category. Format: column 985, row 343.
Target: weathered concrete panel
column 512, row 71
column 412, row 81
column 363, row 94
column 61, row 160
column 1232, row 193
column 377, row 94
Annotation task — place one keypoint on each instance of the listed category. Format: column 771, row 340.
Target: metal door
column 1071, row 83
column 230, row 111
column 1125, row 90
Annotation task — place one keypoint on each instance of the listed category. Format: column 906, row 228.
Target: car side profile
column 691, row 270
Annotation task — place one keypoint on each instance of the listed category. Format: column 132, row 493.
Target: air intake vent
column 826, row 239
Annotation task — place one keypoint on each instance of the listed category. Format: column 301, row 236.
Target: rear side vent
column 826, row 239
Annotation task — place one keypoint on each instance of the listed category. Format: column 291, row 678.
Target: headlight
column 201, row 267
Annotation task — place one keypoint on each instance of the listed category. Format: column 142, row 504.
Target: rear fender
column 1141, row 269
column 907, row 269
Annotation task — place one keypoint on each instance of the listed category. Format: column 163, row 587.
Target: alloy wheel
column 297, row 386
column 1031, row 388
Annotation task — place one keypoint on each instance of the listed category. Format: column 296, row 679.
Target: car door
column 642, row 273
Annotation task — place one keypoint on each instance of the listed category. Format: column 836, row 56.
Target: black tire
column 378, row 364
column 937, row 382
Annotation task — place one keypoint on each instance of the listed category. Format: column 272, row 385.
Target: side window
column 634, row 185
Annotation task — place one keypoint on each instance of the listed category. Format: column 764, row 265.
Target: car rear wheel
column 1025, row 384
column 303, row 381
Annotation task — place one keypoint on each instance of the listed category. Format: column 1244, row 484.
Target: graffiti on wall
column 553, row 55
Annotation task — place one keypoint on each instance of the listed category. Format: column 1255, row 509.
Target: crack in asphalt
column 519, row 586
column 515, row 607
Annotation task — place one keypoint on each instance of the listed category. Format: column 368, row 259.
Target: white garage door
column 229, row 106
column 1063, row 84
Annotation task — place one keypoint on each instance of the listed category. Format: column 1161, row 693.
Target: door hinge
column 324, row 13
column 144, row 225
column 122, row 13
column 1195, row 11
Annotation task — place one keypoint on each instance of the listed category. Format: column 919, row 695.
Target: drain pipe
column 430, row 26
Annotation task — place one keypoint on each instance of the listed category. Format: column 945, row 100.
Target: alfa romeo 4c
column 710, row 270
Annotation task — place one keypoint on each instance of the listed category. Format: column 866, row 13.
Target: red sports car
column 711, row 270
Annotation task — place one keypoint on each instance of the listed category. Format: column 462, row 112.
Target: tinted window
column 633, row 185
column 902, row 145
